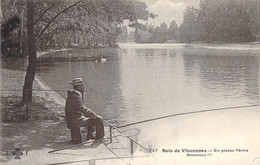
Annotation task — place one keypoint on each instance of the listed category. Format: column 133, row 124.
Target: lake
column 143, row 81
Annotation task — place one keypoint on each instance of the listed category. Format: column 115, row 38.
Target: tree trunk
column 30, row 74
column 1, row 21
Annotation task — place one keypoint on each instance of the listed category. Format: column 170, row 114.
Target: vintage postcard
column 140, row 82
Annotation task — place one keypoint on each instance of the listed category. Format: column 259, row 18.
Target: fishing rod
column 187, row 113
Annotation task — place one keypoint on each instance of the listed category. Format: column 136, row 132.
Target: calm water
column 145, row 81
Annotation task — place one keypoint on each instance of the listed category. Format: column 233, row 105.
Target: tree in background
column 189, row 29
column 224, row 21
column 122, row 37
column 151, row 34
column 160, row 34
column 16, row 9
column 253, row 12
column 131, row 36
column 10, row 44
column 144, row 35
column 172, row 31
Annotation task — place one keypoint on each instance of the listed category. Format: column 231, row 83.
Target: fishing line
column 51, row 90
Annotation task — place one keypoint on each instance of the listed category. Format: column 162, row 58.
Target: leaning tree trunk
column 31, row 43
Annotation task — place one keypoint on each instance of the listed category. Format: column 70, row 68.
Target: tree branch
column 99, row 24
column 46, row 10
column 49, row 13
column 46, row 34
column 56, row 16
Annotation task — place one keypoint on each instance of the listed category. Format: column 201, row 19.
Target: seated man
column 78, row 115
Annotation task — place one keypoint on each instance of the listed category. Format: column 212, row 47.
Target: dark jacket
column 75, row 110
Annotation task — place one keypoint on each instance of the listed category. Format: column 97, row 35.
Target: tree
column 151, row 34
column 225, row 21
column 15, row 9
column 160, row 35
column 48, row 21
column 9, row 46
column 172, row 31
column 252, row 8
column 31, row 42
column 188, row 30
column 122, row 37
column 1, row 20
column 30, row 74
column 220, row 21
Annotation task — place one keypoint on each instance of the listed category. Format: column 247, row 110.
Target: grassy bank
column 45, row 126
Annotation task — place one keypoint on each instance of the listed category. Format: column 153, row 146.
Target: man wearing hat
column 78, row 115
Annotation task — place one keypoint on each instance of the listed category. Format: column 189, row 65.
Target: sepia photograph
column 130, row 82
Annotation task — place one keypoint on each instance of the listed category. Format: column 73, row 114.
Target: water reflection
column 141, row 83
column 226, row 77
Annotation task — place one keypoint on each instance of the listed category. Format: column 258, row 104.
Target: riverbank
column 39, row 54
column 46, row 115
column 196, row 46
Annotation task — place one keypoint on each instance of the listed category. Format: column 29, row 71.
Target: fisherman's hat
column 77, row 81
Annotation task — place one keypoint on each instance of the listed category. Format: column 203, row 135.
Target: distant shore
column 197, row 42
column 195, row 46
column 52, row 51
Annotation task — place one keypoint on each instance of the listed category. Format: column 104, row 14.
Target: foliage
column 189, row 29
column 122, row 37
column 9, row 47
column 173, row 31
column 87, row 22
column 9, row 26
column 224, row 21
column 151, row 34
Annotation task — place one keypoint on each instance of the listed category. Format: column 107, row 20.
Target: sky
column 168, row 10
